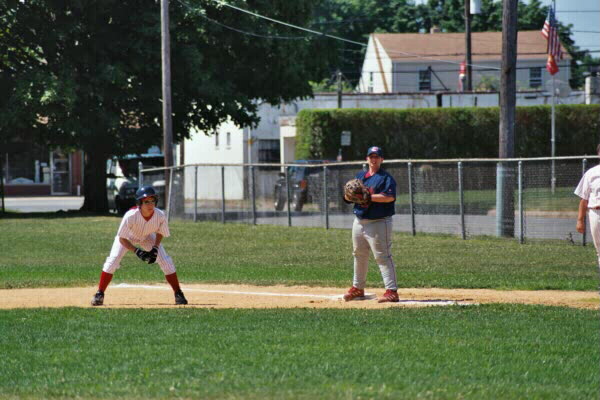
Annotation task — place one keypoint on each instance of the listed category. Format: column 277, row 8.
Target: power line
column 239, row 30
column 410, row 55
column 288, row 24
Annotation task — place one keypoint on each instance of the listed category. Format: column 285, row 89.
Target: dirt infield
column 246, row 296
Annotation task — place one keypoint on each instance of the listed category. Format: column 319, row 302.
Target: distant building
column 31, row 169
column 414, row 62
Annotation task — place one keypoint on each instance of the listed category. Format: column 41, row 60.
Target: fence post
column 461, row 199
column 521, row 211
column 325, row 198
column 253, row 189
column 195, row 193
column 169, row 201
column 289, row 199
column 223, row 194
column 583, row 169
column 411, row 199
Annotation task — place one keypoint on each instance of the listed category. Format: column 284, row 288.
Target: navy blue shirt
column 379, row 183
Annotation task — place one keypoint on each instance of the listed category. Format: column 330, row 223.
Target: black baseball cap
column 375, row 149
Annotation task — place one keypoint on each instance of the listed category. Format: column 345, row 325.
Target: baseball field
column 478, row 319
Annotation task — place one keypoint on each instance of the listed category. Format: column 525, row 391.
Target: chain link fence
column 520, row 198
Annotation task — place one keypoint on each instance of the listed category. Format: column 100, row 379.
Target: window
column 425, row 80
column 228, row 140
column 25, row 162
column 216, row 133
column 268, row 150
column 535, row 77
column 370, row 82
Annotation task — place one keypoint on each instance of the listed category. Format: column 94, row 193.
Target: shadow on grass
column 57, row 214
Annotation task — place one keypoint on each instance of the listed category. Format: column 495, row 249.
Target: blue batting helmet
column 143, row 192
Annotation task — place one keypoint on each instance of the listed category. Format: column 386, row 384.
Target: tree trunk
column 94, row 187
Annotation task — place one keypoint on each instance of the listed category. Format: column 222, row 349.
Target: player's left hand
column 144, row 255
column 153, row 255
column 580, row 226
column 356, row 192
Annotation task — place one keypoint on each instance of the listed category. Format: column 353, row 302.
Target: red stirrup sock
column 173, row 281
column 105, row 279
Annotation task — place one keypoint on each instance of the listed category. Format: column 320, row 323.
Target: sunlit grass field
column 460, row 352
column 479, row 352
column 62, row 252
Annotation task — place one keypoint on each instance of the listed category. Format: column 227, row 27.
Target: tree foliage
column 87, row 73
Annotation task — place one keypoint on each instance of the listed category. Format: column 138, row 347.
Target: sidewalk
column 43, row 203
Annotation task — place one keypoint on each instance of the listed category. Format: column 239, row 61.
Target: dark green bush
column 445, row 132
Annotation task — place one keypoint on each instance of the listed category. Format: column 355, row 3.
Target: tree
column 92, row 72
column 356, row 20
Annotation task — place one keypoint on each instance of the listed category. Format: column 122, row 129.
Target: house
column 417, row 62
column 32, row 169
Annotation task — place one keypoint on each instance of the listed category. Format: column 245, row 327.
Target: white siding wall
column 372, row 70
column 406, row 76
column 201, row 149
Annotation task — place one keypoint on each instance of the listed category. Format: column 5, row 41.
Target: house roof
column 485, row 46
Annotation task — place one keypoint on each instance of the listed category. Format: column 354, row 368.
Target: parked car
column 122, row 179
column 306, row 186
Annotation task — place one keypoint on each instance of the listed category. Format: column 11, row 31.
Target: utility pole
column 166, row 94
column 505, row 177
column 468, row 43
column 339, row 88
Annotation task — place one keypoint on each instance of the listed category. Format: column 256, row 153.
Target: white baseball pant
column 594, row 218
column 373, row 235
column 113, row 261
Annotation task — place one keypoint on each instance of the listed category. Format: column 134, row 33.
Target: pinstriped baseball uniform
column 589, row 189
column 137, row 230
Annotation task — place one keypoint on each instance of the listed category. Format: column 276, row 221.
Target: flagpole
column 552, row 140
column 553, row 123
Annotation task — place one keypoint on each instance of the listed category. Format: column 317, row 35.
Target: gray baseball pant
column 373, row 235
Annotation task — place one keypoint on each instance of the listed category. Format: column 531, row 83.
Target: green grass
column 474, row 352
column 459, row 352
column 63, row 252
column 540, row 199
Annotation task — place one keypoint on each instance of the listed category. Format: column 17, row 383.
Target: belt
column 594, row 208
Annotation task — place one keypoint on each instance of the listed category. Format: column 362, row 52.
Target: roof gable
column 451, row 46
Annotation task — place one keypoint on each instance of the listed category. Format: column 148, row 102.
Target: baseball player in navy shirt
column 372, row 230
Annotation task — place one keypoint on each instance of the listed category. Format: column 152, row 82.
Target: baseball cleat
column 180, row 298
column 98, row 298
column 390, row 296
column 354, row 293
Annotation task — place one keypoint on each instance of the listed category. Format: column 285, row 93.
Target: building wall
column 203, row 149
column 30, row 173
column 406, row 75
column 371, row 80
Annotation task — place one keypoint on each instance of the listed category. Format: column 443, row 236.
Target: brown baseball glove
column 355, row 191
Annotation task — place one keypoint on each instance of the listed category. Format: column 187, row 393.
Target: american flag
column 550, row 32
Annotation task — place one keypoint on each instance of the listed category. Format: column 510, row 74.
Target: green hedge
column 445, row 132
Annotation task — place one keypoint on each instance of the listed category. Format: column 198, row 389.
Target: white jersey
column 135, row 228
column 589, row 187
